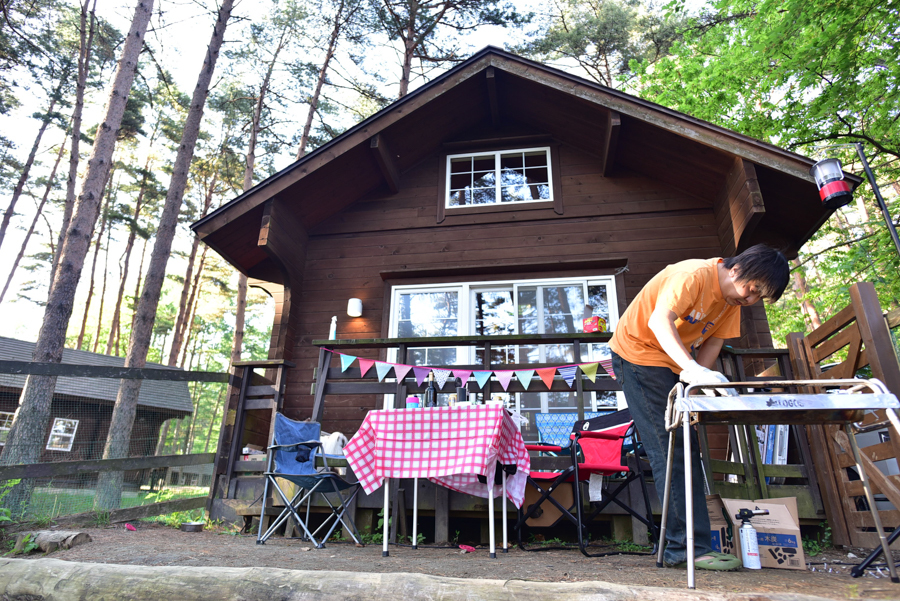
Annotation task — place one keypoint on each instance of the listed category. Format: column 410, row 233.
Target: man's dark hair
column 765, row 266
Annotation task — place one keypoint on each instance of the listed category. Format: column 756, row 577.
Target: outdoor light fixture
column 833, row 189
column 354, row 307
column 835, row 192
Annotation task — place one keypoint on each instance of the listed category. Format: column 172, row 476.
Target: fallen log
column 51, row 540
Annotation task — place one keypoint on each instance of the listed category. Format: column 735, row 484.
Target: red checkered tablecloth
column 450, row 446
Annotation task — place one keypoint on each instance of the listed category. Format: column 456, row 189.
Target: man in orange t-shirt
column 691, row 306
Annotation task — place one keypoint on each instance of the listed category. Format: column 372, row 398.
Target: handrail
column 522, row 339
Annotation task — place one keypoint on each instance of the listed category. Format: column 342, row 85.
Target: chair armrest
column 311, row 443
column 602, row 435
column 544, row 448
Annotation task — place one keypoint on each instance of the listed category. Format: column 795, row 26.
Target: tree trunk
column 184, row 304
column 84, row 61
column 194, row 300
column 17, row 192
column 212, row 419
column 109, row 485
column 161, row 443
column 801, row 289
column 137, row 286
column 37, row 215
column 105, row 266
column 314, row 101
column 25, row 438
column 87, row 304
column 129, row 245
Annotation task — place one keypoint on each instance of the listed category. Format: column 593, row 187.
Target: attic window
column 62, row 435
column 501, row 177
column 6, row 420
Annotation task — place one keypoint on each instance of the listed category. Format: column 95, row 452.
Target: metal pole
column 881, row 205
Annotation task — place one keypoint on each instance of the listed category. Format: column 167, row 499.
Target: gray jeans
column 646, row 390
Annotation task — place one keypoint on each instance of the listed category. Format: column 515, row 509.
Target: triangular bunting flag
column 546, row 375
column 364, row 366
column 382, row 369
column 346, row 361
column 524, row 376
column 568, row 374
column 421, row 374
column 606, row 364
column 590, row 370
column 440, row 377
column 463, row 375
column 504, row 377
column 400, row 370
column 482, row 377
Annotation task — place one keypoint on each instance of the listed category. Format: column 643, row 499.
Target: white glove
column 695, row 373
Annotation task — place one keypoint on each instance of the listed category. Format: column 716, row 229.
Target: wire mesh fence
column 173, row 418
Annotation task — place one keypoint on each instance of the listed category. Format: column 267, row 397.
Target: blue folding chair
column 292, row 457
column 554, row 429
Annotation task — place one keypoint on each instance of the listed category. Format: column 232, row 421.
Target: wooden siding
column 629, row 215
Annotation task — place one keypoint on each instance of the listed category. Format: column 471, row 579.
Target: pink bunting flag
column 421, row 374
column 400, row 370
column 463, row 375
column 606, row 364
column 504, row 377
column 364, row 366
column 546, row 374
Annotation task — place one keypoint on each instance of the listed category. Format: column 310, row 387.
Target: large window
column 62, row 435
column 492, row 178
column 500, row 308
column 6, row 420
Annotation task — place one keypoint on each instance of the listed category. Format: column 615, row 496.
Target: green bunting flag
column 590, row 370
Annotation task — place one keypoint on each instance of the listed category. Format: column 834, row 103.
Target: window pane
column 461, row 165
column 528, row 318
column 598, row 300
column 460, row 197
column 494, row 313
column 460, row 181
column 483, row 163
column 428, row 314
column 562, row 305
column 537, row 176
column 484, row 179
column 483, row 196
column 536, row 158
column 511, row 161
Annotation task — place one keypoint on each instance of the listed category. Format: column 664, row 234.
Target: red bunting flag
column 546, row 374
column 365, row 365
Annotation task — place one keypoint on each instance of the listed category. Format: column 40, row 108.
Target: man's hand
column 695, row 373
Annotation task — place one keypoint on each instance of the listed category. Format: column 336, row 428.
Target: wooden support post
column 237, row 432
column 492, row 96
column 579, row 382
column 321, row 378
column 441, row 515
column 400, row 395
column 387, row 162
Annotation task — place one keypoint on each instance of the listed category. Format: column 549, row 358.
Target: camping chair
column 555, row 429
column 292, row 457
column 598, row 448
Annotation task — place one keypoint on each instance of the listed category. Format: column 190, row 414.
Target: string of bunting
column 504, row 376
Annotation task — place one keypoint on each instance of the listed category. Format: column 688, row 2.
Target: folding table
column 451, row 446
column 844, row 406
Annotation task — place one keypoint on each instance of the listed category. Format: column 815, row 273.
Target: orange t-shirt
column 691, row 290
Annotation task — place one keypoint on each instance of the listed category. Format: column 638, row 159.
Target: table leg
column 670, row 461
column 505, row 536
column 876, row 517
column 415, row 544
column 688, row 500
column 386, row 512
column 490, row 491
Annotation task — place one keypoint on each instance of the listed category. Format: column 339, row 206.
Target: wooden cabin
column 500, row 198
column 81, row 409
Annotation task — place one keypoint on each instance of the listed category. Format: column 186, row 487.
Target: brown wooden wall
column 626, row 216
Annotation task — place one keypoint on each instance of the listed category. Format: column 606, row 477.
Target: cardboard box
column 778, row 534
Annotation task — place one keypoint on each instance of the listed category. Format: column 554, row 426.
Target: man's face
column 740, row 292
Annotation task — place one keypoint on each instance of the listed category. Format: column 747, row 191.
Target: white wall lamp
column 354, row 307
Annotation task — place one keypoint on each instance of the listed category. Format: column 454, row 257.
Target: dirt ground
column 154, row 544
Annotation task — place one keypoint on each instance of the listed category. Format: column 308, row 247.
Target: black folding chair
column 598, row 447
column 292, row 457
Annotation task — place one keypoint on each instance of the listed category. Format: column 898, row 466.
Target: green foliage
column 822, row 542
column 803, row 76
column 604, row 37
column 28, row 545
column 101, row 519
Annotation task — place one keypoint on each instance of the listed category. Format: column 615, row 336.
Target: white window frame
column 6, row 420
column 497, row 182
column 62, row 435
column 466, row 291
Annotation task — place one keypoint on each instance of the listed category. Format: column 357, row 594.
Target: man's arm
column 662, row 324
column 709, row 351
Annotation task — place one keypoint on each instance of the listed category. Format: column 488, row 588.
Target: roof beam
column 492, row 96
column 610, row 142
column 283, row 238
column 739, row 207
column 387, row 162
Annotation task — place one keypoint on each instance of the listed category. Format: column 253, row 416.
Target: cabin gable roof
column 505, row 96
